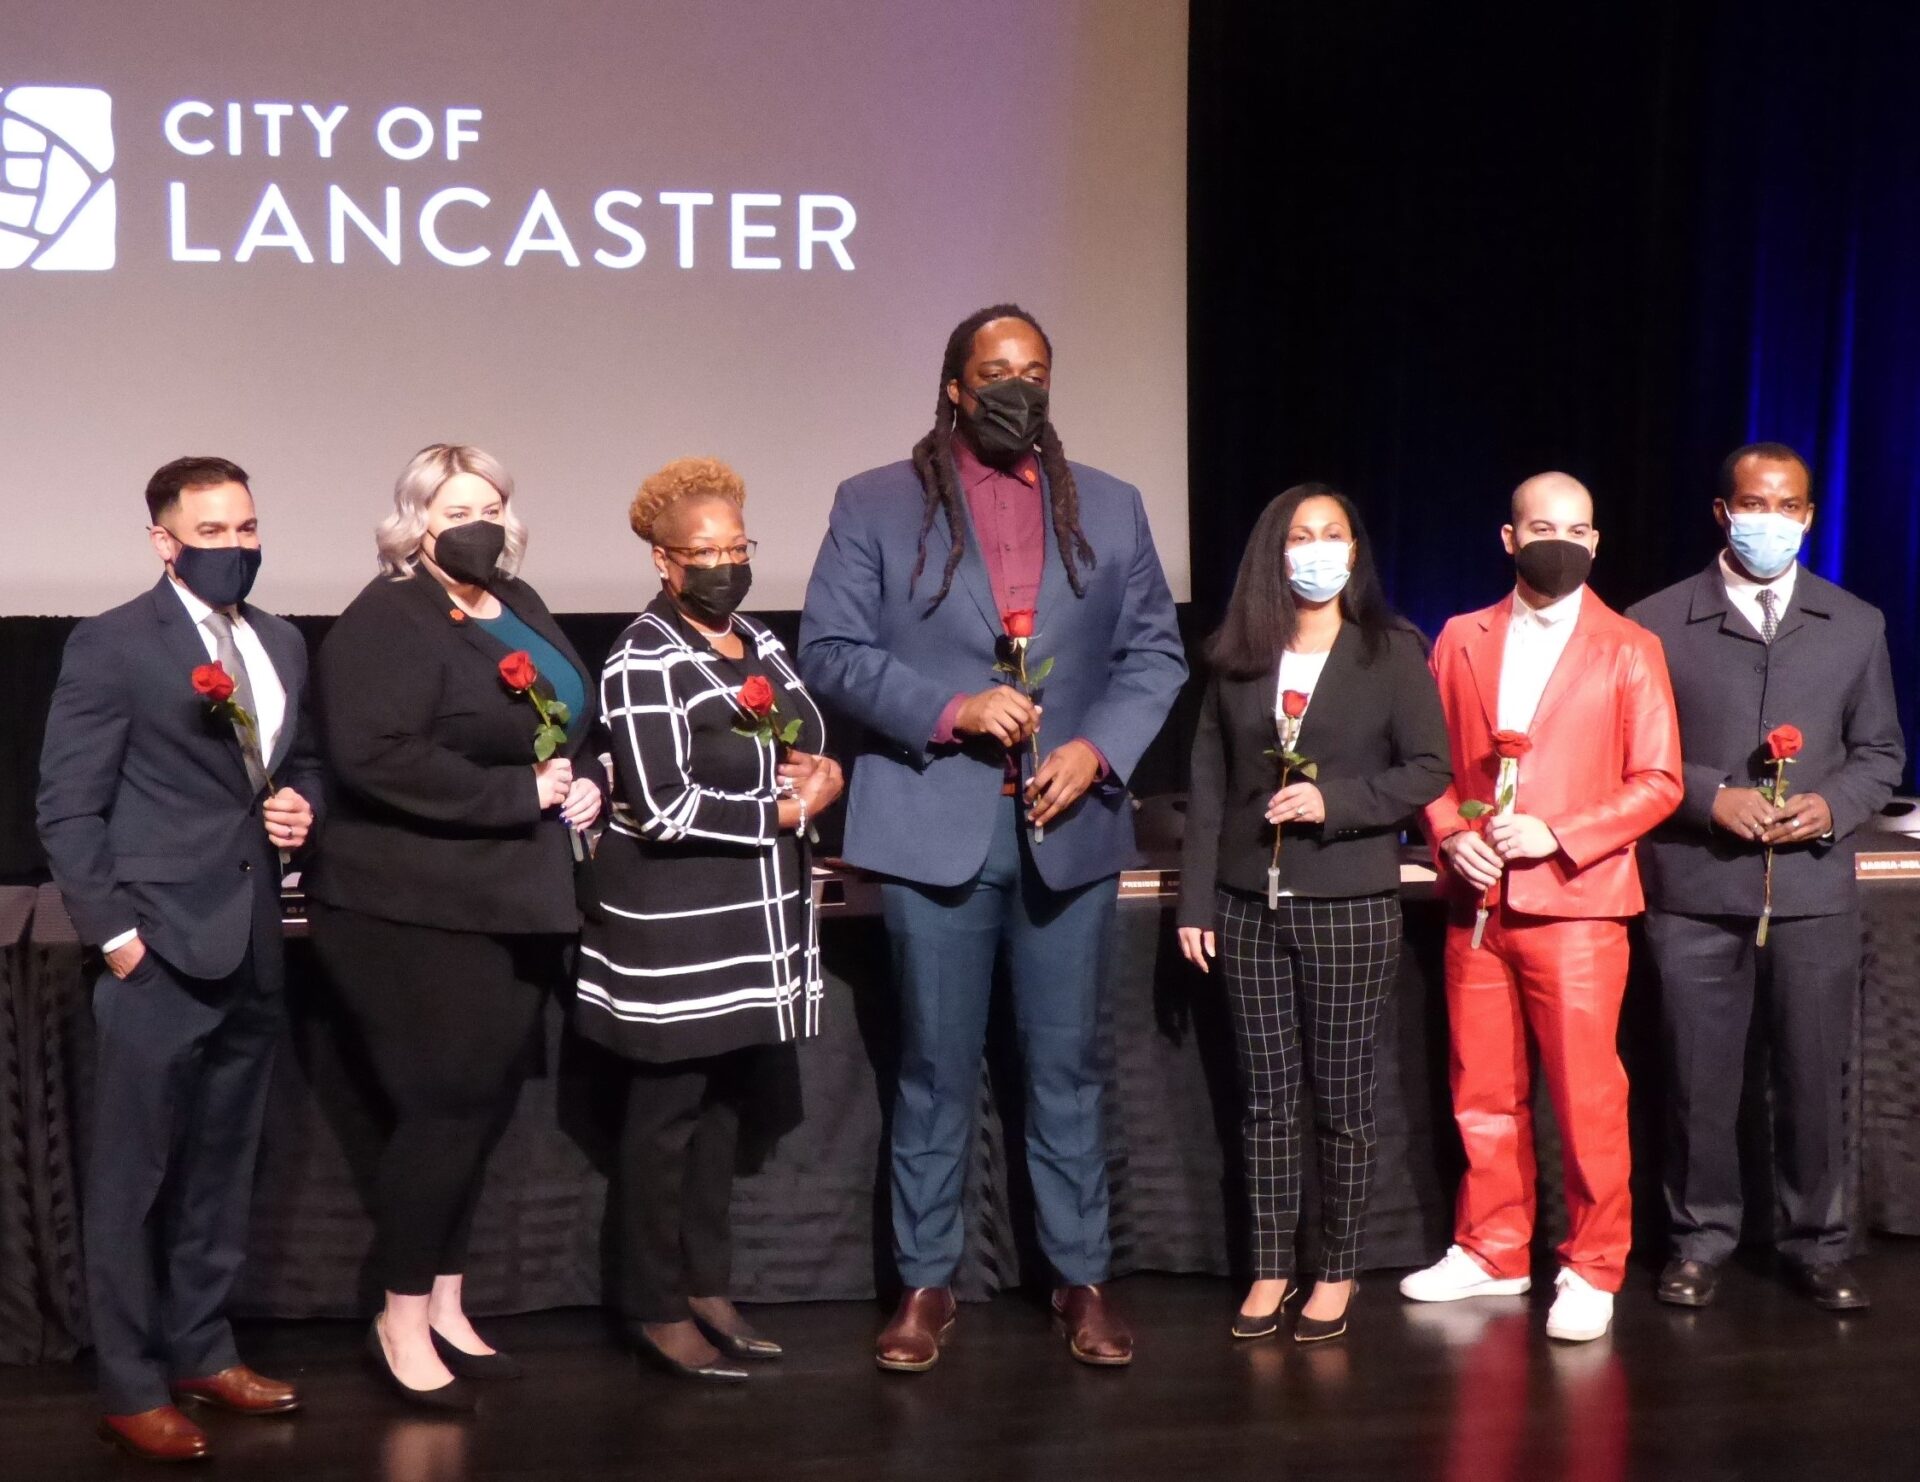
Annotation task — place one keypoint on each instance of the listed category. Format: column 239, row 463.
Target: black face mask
column 714, row 593
column 1006, row 419
column 1553, row 568
column 219, row 576
column 471, row 552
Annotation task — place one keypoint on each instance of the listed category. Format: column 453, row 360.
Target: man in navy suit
column 165, row 817
column 1756, row 642
column 990, row 842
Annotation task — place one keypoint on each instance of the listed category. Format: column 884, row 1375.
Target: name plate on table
column 1148, row 884
column 1887, row 864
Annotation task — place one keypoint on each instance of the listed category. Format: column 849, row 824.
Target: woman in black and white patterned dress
column 702, row 960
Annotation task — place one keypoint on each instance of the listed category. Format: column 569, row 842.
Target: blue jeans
column 945, row 943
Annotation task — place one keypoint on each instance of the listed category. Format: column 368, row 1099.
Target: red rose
column 1018, row 622
column 756, row 697
column 518, row 671
column 1784, row 742
column 1293, row 704
column 1510, row 744
column 213, row 683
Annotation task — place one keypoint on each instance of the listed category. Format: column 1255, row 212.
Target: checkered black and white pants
column 1305, row 985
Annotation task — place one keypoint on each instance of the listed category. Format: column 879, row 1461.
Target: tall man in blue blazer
column 1756, row 641
column 927, row 567
column 165, row 819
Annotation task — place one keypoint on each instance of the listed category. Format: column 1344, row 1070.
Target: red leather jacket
column 1605, row 762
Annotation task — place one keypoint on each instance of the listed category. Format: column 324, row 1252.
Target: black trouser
column 448, row 1018
column 674, row 1180
column 1305, row 984
column 179, row 1095
column 1711, row 976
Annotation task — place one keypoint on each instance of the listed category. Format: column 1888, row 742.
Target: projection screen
column 588, row 237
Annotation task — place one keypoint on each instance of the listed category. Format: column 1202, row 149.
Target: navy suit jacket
column 146, row 813
column 1826, row 672
column 873, row 651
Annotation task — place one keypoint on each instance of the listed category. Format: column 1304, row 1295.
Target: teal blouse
column 569, row 685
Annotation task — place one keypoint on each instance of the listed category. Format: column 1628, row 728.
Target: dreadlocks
column 933, row 462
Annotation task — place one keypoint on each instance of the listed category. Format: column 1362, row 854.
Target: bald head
column 1557, row 498
column 1550, row 507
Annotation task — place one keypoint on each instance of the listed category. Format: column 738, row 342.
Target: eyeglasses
column 712, row 555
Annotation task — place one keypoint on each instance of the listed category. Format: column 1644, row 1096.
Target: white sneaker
column 1456, row 1275
column 1580, row 1312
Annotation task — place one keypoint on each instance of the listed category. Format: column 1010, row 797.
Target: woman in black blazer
column 701, row 964
column 443, row 906
column 1309, row 660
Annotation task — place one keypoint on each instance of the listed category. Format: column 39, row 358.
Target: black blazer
column 1826, row 672
column 436, row 813
column 1378, row 735
column 146, row 812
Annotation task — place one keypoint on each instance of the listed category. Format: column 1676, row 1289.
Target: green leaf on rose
column 558, row 713
column 790, row 732
column 1473, row 808
column 1040, row 672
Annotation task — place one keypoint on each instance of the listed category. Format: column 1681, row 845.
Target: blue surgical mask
column 1766, row 543
column 1318, row 570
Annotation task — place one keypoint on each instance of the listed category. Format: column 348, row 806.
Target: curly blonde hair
column 683, row 479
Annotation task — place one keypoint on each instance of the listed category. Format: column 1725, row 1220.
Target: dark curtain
column 1434, row 249
column 29, row 665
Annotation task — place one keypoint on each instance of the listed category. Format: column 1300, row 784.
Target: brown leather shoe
column 240, row 1390
column 1096, row 1333
column 911, row 1343
column 159, row 1434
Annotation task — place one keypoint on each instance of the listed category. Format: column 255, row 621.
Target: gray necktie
column 1769, row 619
column 228, row 652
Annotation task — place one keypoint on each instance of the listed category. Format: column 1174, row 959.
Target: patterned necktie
column 228, row 652
column 1769, row 619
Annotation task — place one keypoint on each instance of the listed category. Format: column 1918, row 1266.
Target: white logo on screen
column 57, row 210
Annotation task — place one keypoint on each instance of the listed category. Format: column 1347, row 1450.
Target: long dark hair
column 933, row 461
column 1261, row 617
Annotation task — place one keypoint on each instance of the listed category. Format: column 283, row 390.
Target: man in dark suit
column 165, row 816
column 929, row 571
column 1755, row 642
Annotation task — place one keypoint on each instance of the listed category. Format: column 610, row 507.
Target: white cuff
column 116, row 943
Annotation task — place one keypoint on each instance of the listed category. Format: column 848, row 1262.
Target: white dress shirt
column 1744, row 593
column 1298, row 672
column 1536, row 638
column 269, row 694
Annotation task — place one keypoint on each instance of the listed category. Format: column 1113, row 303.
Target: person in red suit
column 1566, row 750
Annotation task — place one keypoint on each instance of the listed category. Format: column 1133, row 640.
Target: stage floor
column 1760, row 1386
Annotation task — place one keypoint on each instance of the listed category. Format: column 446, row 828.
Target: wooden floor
column 1761, row 1386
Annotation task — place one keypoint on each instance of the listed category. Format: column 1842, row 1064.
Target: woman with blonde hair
column 460, row 743
column 702, row 963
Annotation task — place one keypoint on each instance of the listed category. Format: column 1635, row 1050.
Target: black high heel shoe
column 1247, row 1326
column 474, row 1365
column 739, row 1345
column 712, row 1373
column 454, row 1398
column 1323, row 1330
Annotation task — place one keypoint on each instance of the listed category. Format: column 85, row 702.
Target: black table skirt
column 810, row 1206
